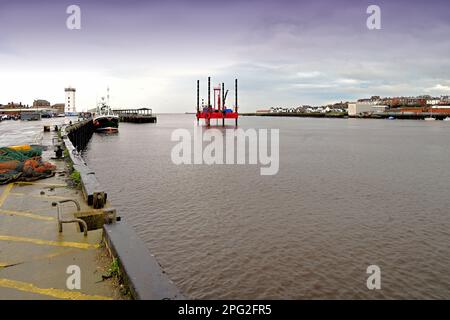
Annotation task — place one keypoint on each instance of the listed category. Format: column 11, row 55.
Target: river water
column 349, row 193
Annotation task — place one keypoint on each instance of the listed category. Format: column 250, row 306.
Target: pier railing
column 141, row 115
column 139, row 112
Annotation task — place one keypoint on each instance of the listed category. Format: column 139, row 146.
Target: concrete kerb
column 141, row 272
column 92, row 190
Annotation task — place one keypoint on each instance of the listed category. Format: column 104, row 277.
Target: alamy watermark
column 73, row 281
column 374, row 280
column 374, row 20
column 228, row 146
column 73, row 21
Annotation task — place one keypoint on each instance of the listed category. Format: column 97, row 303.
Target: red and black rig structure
column 218, row 110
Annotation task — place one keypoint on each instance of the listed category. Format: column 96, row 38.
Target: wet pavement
column 34, row 256
column 16, row 132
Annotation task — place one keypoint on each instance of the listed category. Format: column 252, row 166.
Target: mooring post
column 198, row 99
column 236, row 98
column 209, row 92
column 223, row 104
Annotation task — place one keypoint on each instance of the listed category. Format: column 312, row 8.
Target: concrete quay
column 34, row 256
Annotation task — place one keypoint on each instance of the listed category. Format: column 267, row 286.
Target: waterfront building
column 14, row 105
column 356, row 108
column 58, row 108
column 444, row 109
column 445, row 100
column 41, row 103
column 433, row 101
column 70, row 107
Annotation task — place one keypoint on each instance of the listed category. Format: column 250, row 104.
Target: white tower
column 70, row 101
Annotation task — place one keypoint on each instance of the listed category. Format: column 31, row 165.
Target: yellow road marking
column 6, row 193
column 78, row 245
column 27, row 215
column 52, row 255
column 51, row 292
column 18, row 194
column 42, row 183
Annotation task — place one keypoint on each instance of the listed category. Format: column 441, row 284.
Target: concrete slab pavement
column 34, row 256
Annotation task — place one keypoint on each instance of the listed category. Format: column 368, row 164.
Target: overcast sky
column 151, row 53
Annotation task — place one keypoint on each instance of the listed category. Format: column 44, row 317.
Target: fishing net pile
column 23, row 163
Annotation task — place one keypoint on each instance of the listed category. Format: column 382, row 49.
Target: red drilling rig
column 218, row 110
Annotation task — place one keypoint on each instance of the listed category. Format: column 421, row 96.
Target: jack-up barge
column 219, row 109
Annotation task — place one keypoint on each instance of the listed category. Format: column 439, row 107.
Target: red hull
column 217, row 115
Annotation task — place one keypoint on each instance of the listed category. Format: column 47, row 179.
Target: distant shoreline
column 385, row 115
column 296, row 114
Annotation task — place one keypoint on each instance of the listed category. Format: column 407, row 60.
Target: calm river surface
column 349, row 193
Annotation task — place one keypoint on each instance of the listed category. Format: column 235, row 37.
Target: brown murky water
column 349, row 193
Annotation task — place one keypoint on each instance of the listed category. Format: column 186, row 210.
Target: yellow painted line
column 51, row 292
column 52, row 255
column 27, row 215
column 5, row 193
column 78, row 245
column 42, row 183
column 18, row 194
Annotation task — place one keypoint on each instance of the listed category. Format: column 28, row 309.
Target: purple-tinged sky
column 286, row 53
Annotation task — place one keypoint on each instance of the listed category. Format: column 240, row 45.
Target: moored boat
column 105, row 119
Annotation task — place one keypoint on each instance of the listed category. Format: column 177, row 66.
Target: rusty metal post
column 198, row 99
column 209, row 92
column 236, row 97
column 223, row 104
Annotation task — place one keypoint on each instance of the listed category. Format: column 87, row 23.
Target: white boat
column 447, row 119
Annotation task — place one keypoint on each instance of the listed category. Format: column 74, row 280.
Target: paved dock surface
column 17, row 132
column 34, row 256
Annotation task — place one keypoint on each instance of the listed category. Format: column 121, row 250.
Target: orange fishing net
column 23, row 164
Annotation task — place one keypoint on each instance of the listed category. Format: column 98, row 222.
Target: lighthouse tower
column 70, row 108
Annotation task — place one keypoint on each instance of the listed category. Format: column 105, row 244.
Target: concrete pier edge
column 142, row 273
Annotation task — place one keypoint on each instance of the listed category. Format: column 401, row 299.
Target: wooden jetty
column 142, row 115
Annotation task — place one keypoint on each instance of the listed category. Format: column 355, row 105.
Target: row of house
column 395, row 102
column 39, row 103
column 305, row 109
column 376, row 104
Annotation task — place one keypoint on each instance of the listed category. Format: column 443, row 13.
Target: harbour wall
column 80, row 133
column 141, row 271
